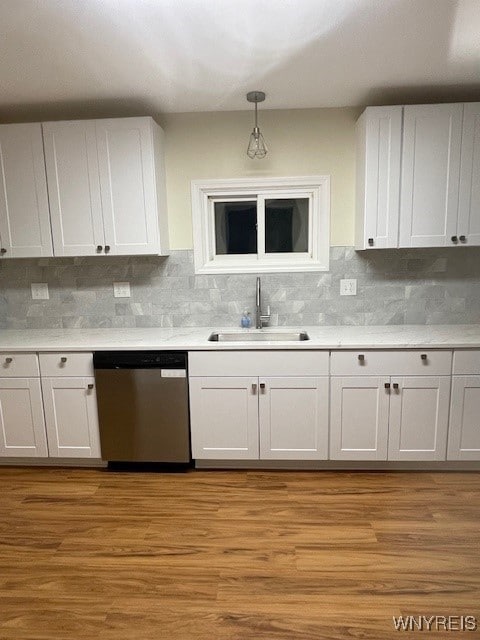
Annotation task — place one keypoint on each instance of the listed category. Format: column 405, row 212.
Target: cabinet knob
column 462, row 238
column 3, row 250
column 254, row 388
column 90, row 386
column 262, row 386
column 8, row 360
column 387, row 385
column 107, row 248
column 361, row 357
column 454, row 238
column 99, row 248
column 371, row 242
column 396, row 385
column 63, row 359
column 423, row 356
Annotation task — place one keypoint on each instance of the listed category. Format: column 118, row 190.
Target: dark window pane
column 286, row 225
column 235, row 227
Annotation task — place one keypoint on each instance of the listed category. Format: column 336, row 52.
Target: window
column 259, row 225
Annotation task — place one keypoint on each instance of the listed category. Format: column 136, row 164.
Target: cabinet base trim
column 339, row 465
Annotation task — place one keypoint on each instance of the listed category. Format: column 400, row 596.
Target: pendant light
column 256, row 145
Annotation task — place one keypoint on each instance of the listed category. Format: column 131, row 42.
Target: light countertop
column 331, row 337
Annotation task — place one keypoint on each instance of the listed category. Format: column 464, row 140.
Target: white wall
column 300, row 142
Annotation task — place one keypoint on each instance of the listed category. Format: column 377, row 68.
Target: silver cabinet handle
column 90, row 386
column 63, row 359
column 254, row 388
column 8, row 360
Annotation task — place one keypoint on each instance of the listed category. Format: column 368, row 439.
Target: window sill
column 261, row 268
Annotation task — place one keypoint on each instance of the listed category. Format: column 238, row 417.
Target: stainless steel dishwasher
column 143, row 406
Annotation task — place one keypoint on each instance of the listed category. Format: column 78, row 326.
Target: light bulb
column 256, row 145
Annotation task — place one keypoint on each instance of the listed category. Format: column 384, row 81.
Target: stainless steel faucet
column 260, row 319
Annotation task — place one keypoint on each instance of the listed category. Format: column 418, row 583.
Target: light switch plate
column 40, row 291
column 348, row 287
column 121, row 289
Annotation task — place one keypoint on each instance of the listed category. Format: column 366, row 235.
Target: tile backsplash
column 422, row 286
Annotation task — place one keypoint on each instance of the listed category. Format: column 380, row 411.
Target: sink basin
column 258, row 336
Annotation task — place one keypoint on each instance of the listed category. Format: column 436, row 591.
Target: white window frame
column 206, row 192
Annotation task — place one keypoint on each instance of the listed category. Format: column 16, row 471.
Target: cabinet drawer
column 466, row 363
column 18, row 365
column 66, row 364
column 258, row 363
column 386, row 363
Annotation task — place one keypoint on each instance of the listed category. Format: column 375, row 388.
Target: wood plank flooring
column 239, row 555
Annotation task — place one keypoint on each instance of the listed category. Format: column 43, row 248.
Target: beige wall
column 301, row 142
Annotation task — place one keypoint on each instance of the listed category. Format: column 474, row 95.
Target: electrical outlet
column 121, row 289
column 40, row 291
column 348, row 287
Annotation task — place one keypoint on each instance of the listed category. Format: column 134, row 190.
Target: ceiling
column 204, row 55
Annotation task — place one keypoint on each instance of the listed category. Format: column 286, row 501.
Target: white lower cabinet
column 247, row 418
column 224, row 418
column 71, row 417
column 464, row 434
column 359, row 418
column 389, row 417
column 48, row 406
column 22, row 427
column 267, row 405
column 418, row 425
column 293, row 415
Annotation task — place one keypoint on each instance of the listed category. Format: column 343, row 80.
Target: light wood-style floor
column 234, row 555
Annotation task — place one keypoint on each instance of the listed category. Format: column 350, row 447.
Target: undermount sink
column 258, row 336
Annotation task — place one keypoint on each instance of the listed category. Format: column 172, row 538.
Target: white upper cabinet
column 468, row 228
column 24, row 216
column 107, row 187
column 74, row 187
column 379, row 141
column 418, row 176
column 129, row 188
column 432, row 137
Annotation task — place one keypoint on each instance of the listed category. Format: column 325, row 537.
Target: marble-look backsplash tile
column 422, row 286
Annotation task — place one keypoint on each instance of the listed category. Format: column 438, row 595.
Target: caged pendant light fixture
column 256, row 145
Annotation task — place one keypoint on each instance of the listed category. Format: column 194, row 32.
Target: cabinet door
column 127, row 175
column 71, row 417
column 224, row 418
column 359, row 418
column 464, row 432
column 432, row 136
column 379, row 141
column 22, row 427
column 293, row 418
column 419, row 418
column 74, row 187
column 24, row 214
column 469, row 198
